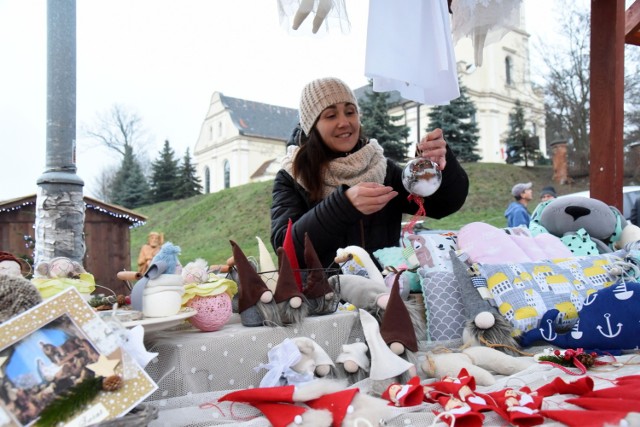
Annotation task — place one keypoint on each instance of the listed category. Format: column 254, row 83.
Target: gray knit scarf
column 368, row 164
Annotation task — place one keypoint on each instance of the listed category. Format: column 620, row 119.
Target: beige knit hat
column 320, row 94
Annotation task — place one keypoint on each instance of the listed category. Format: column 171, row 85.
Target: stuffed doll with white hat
column 159, row 291
column 13, row 265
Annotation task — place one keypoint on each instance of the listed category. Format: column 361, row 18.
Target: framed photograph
column 51, row 348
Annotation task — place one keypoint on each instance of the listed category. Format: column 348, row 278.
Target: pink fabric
column 491, row 245
column 543, row 246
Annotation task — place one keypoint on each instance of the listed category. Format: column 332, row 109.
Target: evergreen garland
column 569, row 358
column 76, row 398
column 70, row 401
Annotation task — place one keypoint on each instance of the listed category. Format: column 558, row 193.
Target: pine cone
column 112, row 383
column 586, row 359
column 121, row 300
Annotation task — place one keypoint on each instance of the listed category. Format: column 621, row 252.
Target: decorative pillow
column 543, row 246
column 394, row 257
column 610, row 321
column 488, row 244
column 431, row 250
column 443, row 304
column 524, row 292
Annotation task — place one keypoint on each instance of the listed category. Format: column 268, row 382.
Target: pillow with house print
column 524, row 292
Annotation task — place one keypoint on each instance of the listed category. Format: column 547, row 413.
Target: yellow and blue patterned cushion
column 524, row 292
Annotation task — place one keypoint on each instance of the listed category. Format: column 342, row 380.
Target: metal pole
column 60, row 206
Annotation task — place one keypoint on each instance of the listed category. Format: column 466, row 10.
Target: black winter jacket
column 334, row 223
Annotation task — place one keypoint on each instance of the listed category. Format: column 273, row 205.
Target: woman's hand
column 433, row 147
column 369, row 197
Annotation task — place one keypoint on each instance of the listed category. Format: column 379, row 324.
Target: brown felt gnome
column 256, row 304
column 321, row 297
column 289, row 299
column 397, row 329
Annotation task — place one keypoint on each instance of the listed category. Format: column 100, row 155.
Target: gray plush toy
column 586, row 226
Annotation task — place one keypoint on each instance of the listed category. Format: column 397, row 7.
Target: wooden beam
column 632, row 24
column 607, row 99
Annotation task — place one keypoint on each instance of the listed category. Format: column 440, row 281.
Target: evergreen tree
column 520, row 144
column 164, row 175
column 378, row 124
column 130, row 187
column 189, row 183
column 459, row 126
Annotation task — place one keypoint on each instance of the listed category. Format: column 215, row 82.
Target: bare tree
column 119, row 128
column 567, row 87
column 567, row 82
column 104, row 183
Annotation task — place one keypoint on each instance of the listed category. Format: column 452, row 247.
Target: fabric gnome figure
column 320, row 294
column 12, row 265
column 289, row 299
column 256, row 303
column 397, row 329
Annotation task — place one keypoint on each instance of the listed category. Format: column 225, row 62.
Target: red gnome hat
column 338, row 403
column 286, row 287
column 290, row 249
column 280, row 414
column 581, row 418
column 317, row 284
column 250, row 286
column 396, row 323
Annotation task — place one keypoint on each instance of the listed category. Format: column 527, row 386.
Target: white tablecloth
column 199, row 410
column 191, row 361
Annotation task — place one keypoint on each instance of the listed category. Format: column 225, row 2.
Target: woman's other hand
column 433, row 147
column 370, row 197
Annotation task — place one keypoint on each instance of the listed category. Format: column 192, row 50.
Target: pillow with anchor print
column 524, row 292
column 609, row 320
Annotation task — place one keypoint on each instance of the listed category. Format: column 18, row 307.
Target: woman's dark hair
column 311, row 161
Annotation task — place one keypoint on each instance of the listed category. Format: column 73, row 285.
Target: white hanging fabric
column 410, row 49
column 484, row 22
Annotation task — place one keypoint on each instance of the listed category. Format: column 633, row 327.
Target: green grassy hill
column 203, row 225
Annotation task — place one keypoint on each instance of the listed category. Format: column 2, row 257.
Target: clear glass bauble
column 421, row 177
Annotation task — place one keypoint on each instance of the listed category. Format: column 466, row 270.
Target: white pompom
column 484, row 320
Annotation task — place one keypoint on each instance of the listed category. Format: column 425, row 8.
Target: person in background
column 517, row 213
column 548, row 193
column 336, row 185
column 149, row 250
column 635, row 213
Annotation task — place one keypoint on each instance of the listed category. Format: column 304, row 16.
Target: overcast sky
column 162, row 60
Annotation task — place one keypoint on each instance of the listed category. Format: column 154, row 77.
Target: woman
column 339, row 188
